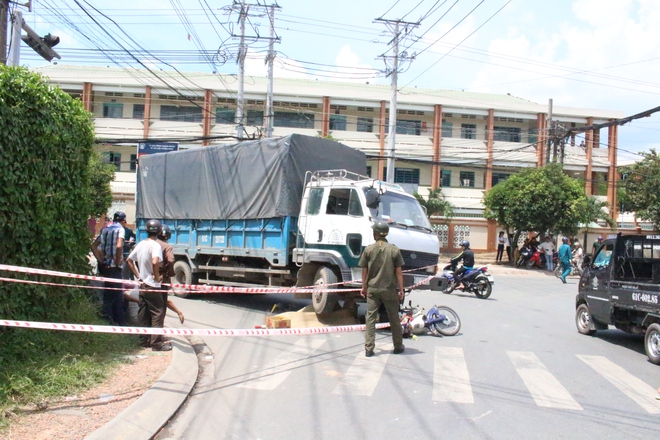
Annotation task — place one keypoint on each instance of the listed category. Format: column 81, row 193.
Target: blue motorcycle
column 477, row 281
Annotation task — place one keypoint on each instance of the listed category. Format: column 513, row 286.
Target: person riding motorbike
column 467, row 256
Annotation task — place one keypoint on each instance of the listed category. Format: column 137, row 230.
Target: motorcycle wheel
column 482, row 288
column 450, row 325
column 451, row 285
column 529, row 264
column 519, row 262
column 558, row 271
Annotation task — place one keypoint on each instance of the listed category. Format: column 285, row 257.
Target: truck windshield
column 402, row 210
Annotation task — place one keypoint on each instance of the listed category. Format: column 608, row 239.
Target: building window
column 113, row 110
column 368, row 170
column 446, row 178
column 468, row 131
column 133, row 162
column 404, row 175
column 447, row 129
column 533, row 136
column 225, row 116
column 138, row 111
column 365, row 125
column 180, row 113
column 499, row 177
column 338, row 122
column 255, row 118
column 293, row 120
column 404, row 126
column 113, row 158
column 467, row 178
column 506, row 134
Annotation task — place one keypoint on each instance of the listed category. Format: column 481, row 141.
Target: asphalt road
column 518, row 369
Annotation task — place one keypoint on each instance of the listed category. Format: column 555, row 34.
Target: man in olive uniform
column 382, row 278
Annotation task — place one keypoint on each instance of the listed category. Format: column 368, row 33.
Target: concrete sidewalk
column 147, row 415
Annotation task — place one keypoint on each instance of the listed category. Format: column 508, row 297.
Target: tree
column 542, row 199
column 101, row 174
column 640, row 188
column 435, row 204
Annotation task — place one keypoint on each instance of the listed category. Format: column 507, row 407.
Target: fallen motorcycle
column 477, row 281
column 439, row 321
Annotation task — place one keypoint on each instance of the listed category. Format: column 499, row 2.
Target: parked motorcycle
column 575, row 270
column 525, row 256
column 477, row 281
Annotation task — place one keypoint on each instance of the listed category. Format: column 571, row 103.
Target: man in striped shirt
column 108, row 249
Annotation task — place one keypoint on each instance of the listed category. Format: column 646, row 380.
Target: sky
column 580, row 53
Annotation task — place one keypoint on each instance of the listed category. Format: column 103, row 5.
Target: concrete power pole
column 549, row 134
column 240, row 103
column 394, row 71
column 4, row 7
column 270, row 60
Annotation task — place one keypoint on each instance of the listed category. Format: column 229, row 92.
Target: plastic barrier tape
column 183, row 331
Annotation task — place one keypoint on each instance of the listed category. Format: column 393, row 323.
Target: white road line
column 631, row 386
column 277, row 370
column 543, row 386
column 451, row 379
column 364, row 374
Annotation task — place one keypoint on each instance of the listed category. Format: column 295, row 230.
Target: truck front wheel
column 182, row 275
column 324, row 302
column 652, row 343
column 583, row 320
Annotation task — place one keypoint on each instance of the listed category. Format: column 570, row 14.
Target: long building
column 462, row 142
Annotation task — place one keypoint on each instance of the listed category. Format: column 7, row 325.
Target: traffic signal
column 41, row 45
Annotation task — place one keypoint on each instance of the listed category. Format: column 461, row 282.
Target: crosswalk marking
column 640, row 392
column 451, row 379
column 544, row 387
column 363, row 375
column 281, row 367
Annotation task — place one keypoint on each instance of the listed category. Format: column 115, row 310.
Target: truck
column 293, row 211
column 620, row 286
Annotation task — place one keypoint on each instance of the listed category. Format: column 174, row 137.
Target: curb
column 147, row 415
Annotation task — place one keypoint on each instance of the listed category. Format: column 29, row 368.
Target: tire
column 182, row 275
column 482, row 288
column 452, row 323
column 451, row 284
column 652, row 343
column 558, row 271
column 519, row 262
column 324, row 302
column 583, row 320
column 529, row 264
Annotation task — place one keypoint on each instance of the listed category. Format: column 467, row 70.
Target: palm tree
column 435, row 204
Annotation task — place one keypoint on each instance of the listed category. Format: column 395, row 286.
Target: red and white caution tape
column 184, row 331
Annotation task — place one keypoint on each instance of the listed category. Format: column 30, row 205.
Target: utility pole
column 393, row 72
column 14, row 57
column 240, row 103
column 4, row 7
column 549, row 133
column 270, row 59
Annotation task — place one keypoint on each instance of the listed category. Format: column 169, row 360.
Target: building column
column 491, row 246
column 541, row 126
column 206, row 116
column 325, row 116
column 490, row 134
column 87, row 96
column 573, row 125
column 612, row 175
column 381, row 138
column 437, row 143
column 450, row 236
column 589, row 141
column 147, row 112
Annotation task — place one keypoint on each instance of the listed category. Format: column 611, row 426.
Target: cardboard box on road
column 277, row 322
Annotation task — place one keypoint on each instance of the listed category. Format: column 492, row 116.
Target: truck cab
column 620, row 286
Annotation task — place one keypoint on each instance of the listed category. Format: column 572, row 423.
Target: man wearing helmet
column 108, row 250
column 167, row 270
column 467, row 256
column 564, row 255
column 596, row 244
column 148, row 257
column 382, row 278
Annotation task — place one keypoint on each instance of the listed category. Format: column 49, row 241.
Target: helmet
column 564, row 239
column 381, row 228
column 465, row 243
column 166, row 233
column 119, row 217
column 154, row 227
column 600, row 237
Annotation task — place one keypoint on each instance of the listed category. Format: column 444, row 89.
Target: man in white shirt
column 548, row 249
column 148, row 256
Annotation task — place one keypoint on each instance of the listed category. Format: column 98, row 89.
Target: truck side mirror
column 373, row 198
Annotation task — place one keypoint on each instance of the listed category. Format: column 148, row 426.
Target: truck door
column 599, row 279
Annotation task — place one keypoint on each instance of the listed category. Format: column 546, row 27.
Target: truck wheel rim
column 654, row 344
column 584, row 320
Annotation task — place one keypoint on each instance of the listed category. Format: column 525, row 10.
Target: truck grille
column 414, row 260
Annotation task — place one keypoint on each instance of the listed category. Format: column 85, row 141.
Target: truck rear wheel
column 324, row 302
column 182, row 275
column 652, row 343
column 583, row 320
